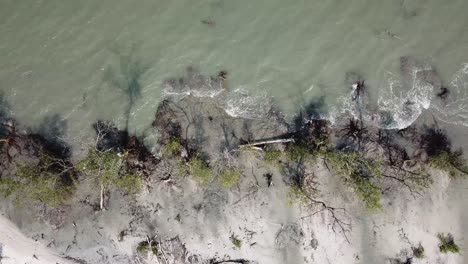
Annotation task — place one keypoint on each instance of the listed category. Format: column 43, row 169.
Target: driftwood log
column 265, row 142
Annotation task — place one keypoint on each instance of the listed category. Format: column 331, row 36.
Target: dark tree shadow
column 53, row 130
column 200, row 133
column 5, row 114
column 435, row 141
column 395, row 153
column 312, row 110
column 352, row 134
column 126, row 77
column 109, row 137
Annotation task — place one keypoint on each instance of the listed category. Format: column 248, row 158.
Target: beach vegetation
column 172, row 148
column 200, row 170
column 144, row 247
column 195, row 167
column 105, row 168
column 447, row 244
column 272, row 156
column 49, row 181
column 451, row 162
column 229, row 177
column 359, row 173
column 236, row 241
column 418, row 252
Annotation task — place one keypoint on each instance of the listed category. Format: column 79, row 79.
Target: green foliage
column 172, row 148
column 182, row 168
column 38, row 183
column 129, row 183
column 105, row 167
column 359, row 174
column 200, row 170
column 451, row 162
column 298, row 151
column 447, row 244
column 418, row 252
column 236, row 241
column 272, row 156
column 298, row 194
column 229, row 177
column 143, row 248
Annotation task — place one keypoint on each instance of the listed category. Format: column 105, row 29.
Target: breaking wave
column 238, row 103
column 399, row 103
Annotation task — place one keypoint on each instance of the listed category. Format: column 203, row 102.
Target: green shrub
column 200, row 170
column 229, row 177
column 297, row 151
column 131, row 183
column 143, row 248
column 451, row 162
column 39, row 183
column 447, row 244
column 297, row 194
column 418, row 252
column 236, row 241
column 172, row 148
column 105, row 168
column 272, row 156
column 182, row 168
column 359, row 174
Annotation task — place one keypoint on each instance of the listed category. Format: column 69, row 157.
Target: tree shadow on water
column 126, row 77
column 312, row 110
column 5, row 114
column 52, row 130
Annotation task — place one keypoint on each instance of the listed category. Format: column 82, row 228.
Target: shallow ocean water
column 70, row 57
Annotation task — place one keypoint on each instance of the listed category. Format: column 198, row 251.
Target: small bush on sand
column 447, row 244
column 172, row 148
column 272, row 156
column 418, row 252
column 451, row 162
column 298, row 194
column 130, row 183
column 298, row 151
column 236, row 241
column 359, row 173
column 200, row 170
column 144, row 247
column 229, row 177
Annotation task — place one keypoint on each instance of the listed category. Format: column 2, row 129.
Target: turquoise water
column 69, row 57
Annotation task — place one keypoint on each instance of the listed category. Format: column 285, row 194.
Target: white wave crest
column 399, row 104
column 203, row 88
column 239, row 103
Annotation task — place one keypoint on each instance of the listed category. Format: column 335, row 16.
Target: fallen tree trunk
column 265, row 142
